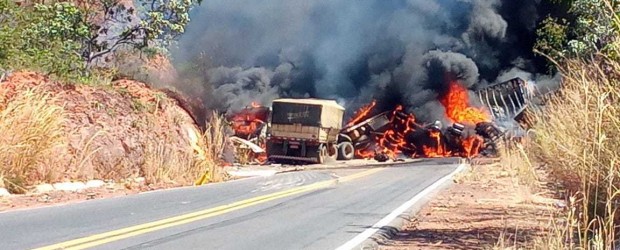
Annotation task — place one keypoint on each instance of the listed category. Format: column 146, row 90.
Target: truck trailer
column 304, row 130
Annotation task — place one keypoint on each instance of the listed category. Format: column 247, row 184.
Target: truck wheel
column 346, row 151
column 333, row 152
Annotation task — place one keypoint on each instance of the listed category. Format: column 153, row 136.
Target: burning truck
column 473, row 131
column 317, row 135
column 249, row 126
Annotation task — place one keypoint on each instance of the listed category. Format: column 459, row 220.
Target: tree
column 155, row 24
column 42, row 37
column 68, row 39
column 592, row 28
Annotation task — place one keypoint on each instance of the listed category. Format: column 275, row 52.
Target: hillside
column 51, row 131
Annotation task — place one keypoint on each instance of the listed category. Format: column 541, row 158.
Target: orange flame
column 458, row 109
column 393, row 141
column 456, row 102
column 246, row 124
column 472, row 145
column 262, row 157
column 362, row 113
column 437, row 150
column 365, row 153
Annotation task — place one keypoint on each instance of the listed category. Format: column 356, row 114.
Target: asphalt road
column 297, row 210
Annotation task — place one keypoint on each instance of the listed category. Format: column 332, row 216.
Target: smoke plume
column 395, row 51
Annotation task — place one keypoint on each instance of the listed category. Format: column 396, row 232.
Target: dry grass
column 574, row 138
column 34, row 147
column 31, row 134
column 517, row 162
column 165, row 164
column 577, row 137
column 211, row 148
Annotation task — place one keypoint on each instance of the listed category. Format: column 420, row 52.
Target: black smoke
column 395, row 51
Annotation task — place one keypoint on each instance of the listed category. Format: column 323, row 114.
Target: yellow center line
column 119, row 234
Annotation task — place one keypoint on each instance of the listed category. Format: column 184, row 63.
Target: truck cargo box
column 306, row 119
column 308, row 112
column 304, row 129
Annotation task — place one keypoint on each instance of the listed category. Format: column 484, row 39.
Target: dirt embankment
column 50, row 131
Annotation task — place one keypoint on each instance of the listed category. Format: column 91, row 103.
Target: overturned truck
column 304, row 130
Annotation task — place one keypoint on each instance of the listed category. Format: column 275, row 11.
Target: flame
column 246, row 126
column 439, row 147
column 458, row 109
column 472, row 145
column 247, row 123
column 262, row 157
column 365, row 153
column 456, row 102
column 362, row 113
column 393, row 141
column 403, row 136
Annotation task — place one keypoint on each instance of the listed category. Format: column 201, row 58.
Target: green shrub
column 45, row 38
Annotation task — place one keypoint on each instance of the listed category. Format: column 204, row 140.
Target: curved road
column 321, row 209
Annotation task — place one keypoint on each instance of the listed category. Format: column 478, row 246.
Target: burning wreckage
column 372, row 134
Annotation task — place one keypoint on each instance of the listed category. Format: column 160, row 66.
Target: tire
column 333, row 153
column 346, row 151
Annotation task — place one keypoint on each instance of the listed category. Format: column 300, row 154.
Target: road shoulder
column 486, row 207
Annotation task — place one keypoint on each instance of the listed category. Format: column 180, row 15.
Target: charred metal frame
column 361, row 133
column 505, row 100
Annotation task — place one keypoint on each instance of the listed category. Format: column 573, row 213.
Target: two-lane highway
column 298, row 210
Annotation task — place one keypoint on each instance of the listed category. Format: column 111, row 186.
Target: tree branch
column 126, row 38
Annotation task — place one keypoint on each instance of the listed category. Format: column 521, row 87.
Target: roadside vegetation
column 81, row 41
column 577, row 138
column 30, row 136
column 72, row 120
column 110, row 134
column 576, row 133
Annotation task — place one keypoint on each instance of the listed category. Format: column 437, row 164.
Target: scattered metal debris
column 248, row 144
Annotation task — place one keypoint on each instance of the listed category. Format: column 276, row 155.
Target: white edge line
column 398, row 211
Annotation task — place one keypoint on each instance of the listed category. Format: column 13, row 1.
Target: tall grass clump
column 165, row 163
column 210, row 147
column 578, row 136
column 31, row 135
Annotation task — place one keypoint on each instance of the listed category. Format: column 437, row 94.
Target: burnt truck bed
column 362, row 133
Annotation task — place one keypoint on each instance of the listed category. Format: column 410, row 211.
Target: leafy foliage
column 73, row 40
column 44, row 37
column 154, row 25
column 594, row 24
column 552, row 37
